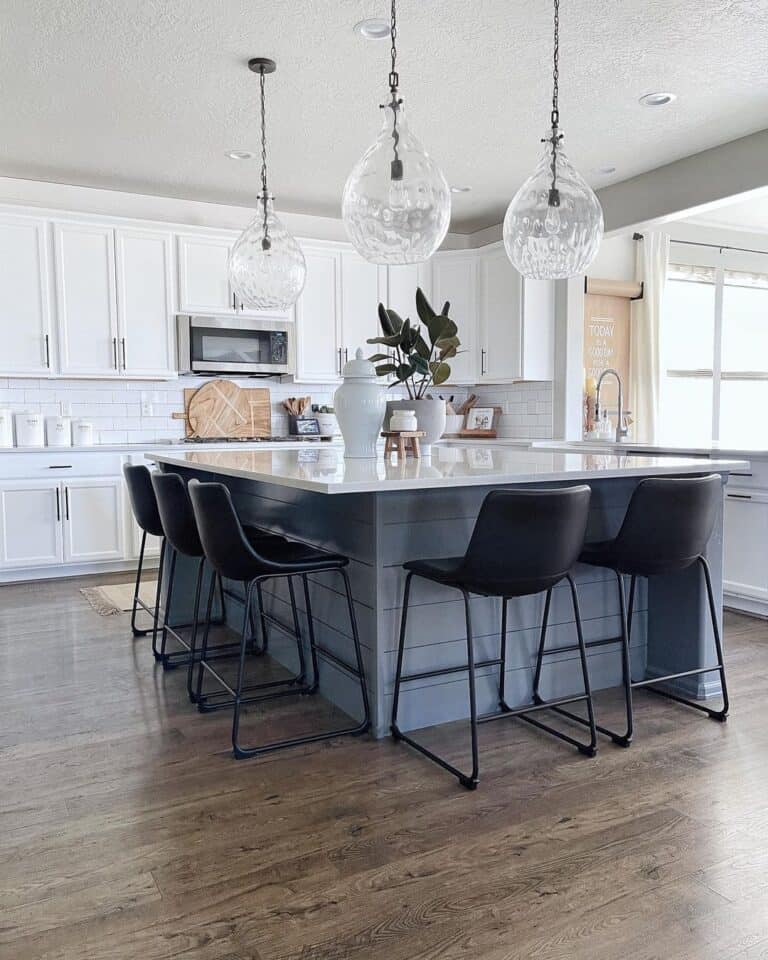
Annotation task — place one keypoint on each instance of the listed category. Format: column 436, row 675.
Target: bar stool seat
column 525, row 542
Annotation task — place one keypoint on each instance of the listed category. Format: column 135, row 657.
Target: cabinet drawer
column 756, row 475
column 49, row 465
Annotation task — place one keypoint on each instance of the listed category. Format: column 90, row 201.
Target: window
column 714, row 349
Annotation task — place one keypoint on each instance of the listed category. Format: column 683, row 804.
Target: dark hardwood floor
column 128, row 832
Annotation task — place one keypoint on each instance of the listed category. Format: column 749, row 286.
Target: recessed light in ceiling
column 460, row 189
column 657, row 99
column 606, row 168
column 373, row 28
column 239, row 155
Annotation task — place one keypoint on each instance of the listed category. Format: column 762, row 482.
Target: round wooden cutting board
column 222, row 409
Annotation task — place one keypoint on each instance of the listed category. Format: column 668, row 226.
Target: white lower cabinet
column 46, row 523
column 93, row 519
column 745, row 555
column 31, row 532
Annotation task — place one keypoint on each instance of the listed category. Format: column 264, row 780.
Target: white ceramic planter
column 329, row 425
column 360, row 405
column 430, row 415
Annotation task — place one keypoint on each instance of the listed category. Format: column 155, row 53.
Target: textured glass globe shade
column 396, row 221
column 553, row 242
column 267, row 279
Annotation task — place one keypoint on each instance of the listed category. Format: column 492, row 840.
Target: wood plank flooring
column 128, row 832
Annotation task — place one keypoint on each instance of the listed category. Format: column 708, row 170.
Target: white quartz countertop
column 714, row 448
column 324, row 470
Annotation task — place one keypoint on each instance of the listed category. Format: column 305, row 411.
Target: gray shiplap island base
column 381, row 514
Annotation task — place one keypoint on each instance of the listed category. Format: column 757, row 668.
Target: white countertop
column 171, row 445
column 324, row 469
column 714, row 448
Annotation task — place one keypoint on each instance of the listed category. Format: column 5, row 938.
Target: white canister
column 6, row 428
column 30, row 431
column 402, row 421
column 58, row 431
column 360, row 404
column 83, row 433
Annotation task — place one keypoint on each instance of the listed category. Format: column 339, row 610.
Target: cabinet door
column 318, row 345
column 402, row 283
column 500, row 304
column 93, row 519
column 144, row 302
column 30, row 523
column 745, row 558
column 538, row 329
column 25, row 308
column 85, row 299
column 363, row 287
column 454, row 278
column 204, row 274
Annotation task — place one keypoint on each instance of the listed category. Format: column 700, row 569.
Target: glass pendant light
column 397, row 203
column 554, row 223
column 266, row 266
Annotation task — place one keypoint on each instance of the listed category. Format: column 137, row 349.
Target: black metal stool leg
column 167, row 610
column 313, row 687
column 302, row 675
column 198, row 695
column 624, row 740
column 503, row 653
column 239, row 753
column 365, row 724
column 158, row 595
column 719, row 667
column 469, row 781
column 134, row 629
column 542, row 642
column 195, row 622
column 591, row 750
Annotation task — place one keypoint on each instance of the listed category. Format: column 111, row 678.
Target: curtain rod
column 713, row 246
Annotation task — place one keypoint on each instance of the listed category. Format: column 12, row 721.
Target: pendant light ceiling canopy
column 397, row 204
column 554, row 224
column 267, row 269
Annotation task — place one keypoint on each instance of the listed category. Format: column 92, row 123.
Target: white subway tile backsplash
column 115, row 407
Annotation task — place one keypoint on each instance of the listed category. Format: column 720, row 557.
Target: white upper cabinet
column 363, row 287
column 516, row 321
column 319, row 351
column 204, row 274
column 25, row 303
column 145, row 302
column 402, row 283
column 85, row 299
column 454, row 278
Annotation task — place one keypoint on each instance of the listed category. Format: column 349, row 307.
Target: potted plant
column 418, row 361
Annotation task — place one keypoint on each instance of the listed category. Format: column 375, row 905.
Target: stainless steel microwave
column 235, row 346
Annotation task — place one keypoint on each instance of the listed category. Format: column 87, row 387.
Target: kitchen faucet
column 621, row 430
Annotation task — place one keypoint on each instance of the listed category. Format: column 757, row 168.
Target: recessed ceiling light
column 460, row 189
column 657, row 99
column 373, row 28
column 606, row 168
column 239, row 155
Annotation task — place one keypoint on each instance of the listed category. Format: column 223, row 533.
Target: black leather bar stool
column 235, row 557
column 665, row 530
column 180, row 528
column 524, row 542
column 144, row 506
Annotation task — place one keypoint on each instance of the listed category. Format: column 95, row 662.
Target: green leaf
column 384, row 320
column 445, row 342
column 447, row 353
column 446, row 308
column 421, row 347
column 384, row 369
column 376, row 357
column 441, row 328
column 419, row 364
column 423, row 308
column 440, row 372
column 403, row 371
column 394, row 341
column 394, row 319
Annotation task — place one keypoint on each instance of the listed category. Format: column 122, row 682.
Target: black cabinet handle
column 739, row 496
column 60, row 466
column 736, row 474
column 58, row 506
column 114, row 352
column 66, row 502
column 47, row 352
column 122, row 345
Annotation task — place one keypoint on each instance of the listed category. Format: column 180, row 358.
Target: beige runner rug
column 114, row 598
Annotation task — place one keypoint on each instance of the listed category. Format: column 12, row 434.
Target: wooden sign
column 606, row 342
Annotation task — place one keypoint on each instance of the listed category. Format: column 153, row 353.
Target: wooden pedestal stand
column 402, row 443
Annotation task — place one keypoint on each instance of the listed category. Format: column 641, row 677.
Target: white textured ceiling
column 146, row 95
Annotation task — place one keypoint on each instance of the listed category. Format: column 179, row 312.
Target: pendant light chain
column 266, row 243
column 394, row 77
column 554, row 193
column 396, row 164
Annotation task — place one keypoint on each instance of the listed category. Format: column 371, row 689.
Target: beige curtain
column 652, row 258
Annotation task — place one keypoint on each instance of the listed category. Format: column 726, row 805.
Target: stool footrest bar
column 442, row 671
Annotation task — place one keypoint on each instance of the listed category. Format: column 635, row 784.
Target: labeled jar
column 403, row 421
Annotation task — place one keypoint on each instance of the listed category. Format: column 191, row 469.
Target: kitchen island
column 381, row 513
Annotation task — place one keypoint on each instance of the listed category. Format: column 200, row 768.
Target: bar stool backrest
column 141, row 494
column 221, row 533
column 176, row 514
column 668, row 524
column 525, row 541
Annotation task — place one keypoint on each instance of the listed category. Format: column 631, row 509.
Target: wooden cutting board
column 222, row 409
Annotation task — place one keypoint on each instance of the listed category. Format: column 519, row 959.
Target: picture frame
column 481, row 422
column 304, row 426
